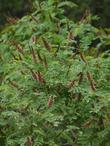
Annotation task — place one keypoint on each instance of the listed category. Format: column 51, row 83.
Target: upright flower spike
column 90, row 79
column 14, row 84
column 50, row 102
column 19, row 48
column 46, row 44
column 29, row 141
column 80, row 76
column 40, row 78
column 33, row 54
column 39, row 56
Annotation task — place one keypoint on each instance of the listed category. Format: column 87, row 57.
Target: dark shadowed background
column 19, row 8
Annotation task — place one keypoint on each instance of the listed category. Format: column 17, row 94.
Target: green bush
column 55, row 85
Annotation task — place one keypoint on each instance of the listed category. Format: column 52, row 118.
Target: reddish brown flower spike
column 39, row 56
column 70, row 36
column 46, row 44
column 50, row 102
column 19, row 48
column 29, row 141
column 34, row 75
column 12, row 20
column 38, row 76
column 83, row 57
column 14, row 84
column 90, row 79
column 80, row 75
column 71, row 84
column 33, row 55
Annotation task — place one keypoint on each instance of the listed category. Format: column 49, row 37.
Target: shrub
column 54, row 82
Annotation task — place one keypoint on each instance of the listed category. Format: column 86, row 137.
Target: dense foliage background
column 55, row 79
column 18, row 8
column 97, row 7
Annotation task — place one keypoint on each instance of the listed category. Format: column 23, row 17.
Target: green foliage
column 54, row 84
